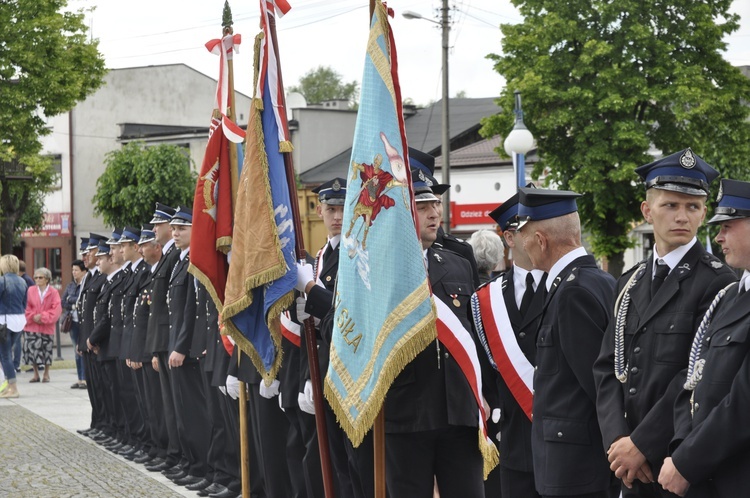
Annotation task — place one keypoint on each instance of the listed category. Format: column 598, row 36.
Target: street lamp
column 445, row 27
column 519, row 142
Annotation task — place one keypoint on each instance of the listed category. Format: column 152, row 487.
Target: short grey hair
column 43, row 272
column 488, row 249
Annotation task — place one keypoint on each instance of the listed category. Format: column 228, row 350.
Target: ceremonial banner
column 496, row 335
column 384, row 316
column 460, row 344
column 262, row 270
column 212, row 203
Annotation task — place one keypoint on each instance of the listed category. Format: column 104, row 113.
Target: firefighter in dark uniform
column 523, row 291
column 568, row 456
column 99, row 340
column 317, row 283
column 131, row 380
column 430, row 411
column 185, row 373
column 710, row 453
column 157, row 336
column 140, row 357
column 92, row 284
column 659, row 305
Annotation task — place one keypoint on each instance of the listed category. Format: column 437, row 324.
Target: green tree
column 603, row 82
column 136, row 177
column 323, row 83
column 47, row 64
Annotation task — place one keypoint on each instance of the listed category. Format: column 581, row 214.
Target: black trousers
column 339, row 458
column 134, row 420
column 516, row 483
column 174, row 451
column 218, row 439
column 112, row 405
column 652, row 490
column 146, row 441
column 270, row 425
column 191, row 415
column 93, row 387
column 450, row 455
column 155, row 411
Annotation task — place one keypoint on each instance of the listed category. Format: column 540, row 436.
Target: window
column 57, row 166
column 52, row 260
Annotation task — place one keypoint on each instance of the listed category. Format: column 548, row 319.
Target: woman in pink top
column 42, row 311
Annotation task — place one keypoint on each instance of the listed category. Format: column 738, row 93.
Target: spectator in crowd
column 42, row 311
column 68, row 301
column 488, row 251
column 12, row 306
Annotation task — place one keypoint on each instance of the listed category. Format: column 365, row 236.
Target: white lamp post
column 519, row 142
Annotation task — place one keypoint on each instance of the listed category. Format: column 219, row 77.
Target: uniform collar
column 674, row 257
column 562, row 263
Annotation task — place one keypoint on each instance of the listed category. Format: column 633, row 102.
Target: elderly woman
column 42, row 311
column 12, row 307
column 488, row 251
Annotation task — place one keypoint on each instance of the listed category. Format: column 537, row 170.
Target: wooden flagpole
column 244, row 446
column 378, row 428
column 310, row 336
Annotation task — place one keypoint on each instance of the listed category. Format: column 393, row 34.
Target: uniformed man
column 659, row 305
column 711, row 448
column 568, row 456
column 514, row 299
column 92, row 284
column 140, row 356
column 131, row 381
column 317, row 283
column 157, row 335
column 99, row 341
column 431, row 419
column 185, row 374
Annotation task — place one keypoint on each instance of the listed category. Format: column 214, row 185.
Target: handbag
column 67, row 323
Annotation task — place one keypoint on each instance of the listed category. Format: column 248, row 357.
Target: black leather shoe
column 115, row 447
column 147, row 459
column 175, row 469
column 126, row 449
column 213, row 488
column 188, row 480
column 94, row 433
column 101, row 437
column 227, row 493
column 132, row 455
column 159, row 467
column 202, row 484
column 85, row 432
column 176, row 477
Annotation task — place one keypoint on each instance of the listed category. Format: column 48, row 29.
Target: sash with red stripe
column 499, row 340
column 289, row 329
column 460, row 344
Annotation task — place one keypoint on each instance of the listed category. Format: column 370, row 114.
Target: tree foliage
column 47, row 64
column 136, row 177
column 604, row 83
column 323, row 83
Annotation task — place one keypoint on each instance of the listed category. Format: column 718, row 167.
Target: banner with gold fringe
column 262, row 269
column 384, row 316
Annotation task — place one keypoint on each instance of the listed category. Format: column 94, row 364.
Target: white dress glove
column 301, row 314
column 269, row 392
column 233, row 386
column 305, row 399
column 304, row 276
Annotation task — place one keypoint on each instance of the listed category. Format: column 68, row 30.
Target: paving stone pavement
column 43, row 456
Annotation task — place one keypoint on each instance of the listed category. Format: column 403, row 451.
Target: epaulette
column 634, row 267
column 442, row 248
column 453, row 238
column 712, row 262
column 502, row 274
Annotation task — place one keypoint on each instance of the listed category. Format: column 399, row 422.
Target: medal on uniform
column 456, row 302
column 328, row 278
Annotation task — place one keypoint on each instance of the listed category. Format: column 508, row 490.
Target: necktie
column 661, row 272
column 528, row 294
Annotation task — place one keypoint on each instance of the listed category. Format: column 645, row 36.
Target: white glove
column 223, row 390
column 233, row 386
column 301, row 314
column 304, row 276
column 269, row 392
column 496, row 415
column 305, row 399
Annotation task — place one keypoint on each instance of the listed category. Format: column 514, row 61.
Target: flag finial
column 226, row 18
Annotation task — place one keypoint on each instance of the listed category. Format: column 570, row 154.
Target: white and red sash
column 289, row 329
column 460, row 344
column 496, row 329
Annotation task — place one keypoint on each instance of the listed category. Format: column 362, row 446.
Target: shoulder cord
column 622, row 303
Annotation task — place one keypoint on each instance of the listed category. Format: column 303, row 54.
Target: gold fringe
column 285, row 146
column 422, row 338
column 256, row 59
column 203, row 279
column 258, row 103
column 224, row 244
column 247, row 348
column 490, row 455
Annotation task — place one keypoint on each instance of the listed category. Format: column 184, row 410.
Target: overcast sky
column 325, row 32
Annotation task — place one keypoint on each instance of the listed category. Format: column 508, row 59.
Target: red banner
column 472, row 214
